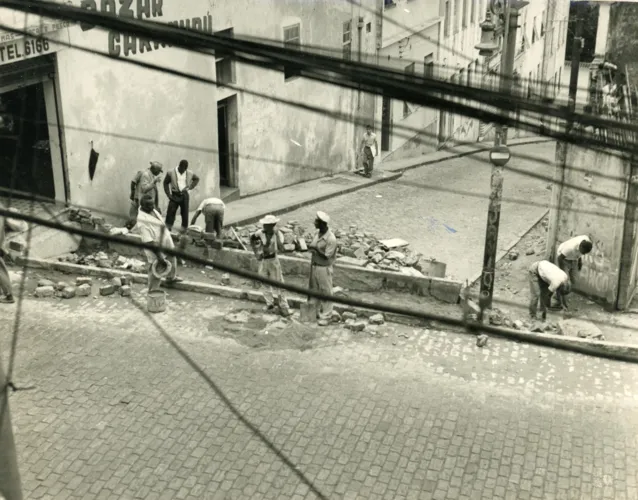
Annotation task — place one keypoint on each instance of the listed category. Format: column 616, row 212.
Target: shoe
column 7, row 299
column 173, row 281
column 323, row 322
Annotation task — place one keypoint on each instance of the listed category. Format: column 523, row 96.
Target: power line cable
column 356, row 76
column 445, row 320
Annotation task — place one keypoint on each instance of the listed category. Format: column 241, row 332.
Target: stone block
column 83, row 290
column 302, row 246
column 17, row 245
column 349, row 315
column 116, row 282
column 125, row 291
column 289, row 247
column 376, row 319
column 44, row 291
column 61, row 285
column 356, row 326
column 226, row 279
column 445, row 290
column 350, row 261
column 126, row 280
column 580, row 328
column 67, row 293
column 107, row 290
column 83, row 280
column 45, row 282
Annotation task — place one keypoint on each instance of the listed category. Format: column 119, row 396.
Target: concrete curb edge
column 598, row 348
column 510, row 245
column 391, row 176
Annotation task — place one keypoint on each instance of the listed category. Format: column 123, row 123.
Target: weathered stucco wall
column 405, row 141
column 134, row 115
column 583, row 213
column 279, row 144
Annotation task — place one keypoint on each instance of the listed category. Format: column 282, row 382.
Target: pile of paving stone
column 106, row 260
column 354, row 247
column 83, row 287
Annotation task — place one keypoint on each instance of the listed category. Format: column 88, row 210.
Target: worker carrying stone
column 569, row 257
column 267, row 243
column 324, row 253
column 545, row 280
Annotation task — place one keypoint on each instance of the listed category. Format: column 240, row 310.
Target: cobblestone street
column 447, row 226
column 405, row 414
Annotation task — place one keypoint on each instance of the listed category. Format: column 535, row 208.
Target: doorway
column 386, row 123
column 25, row 156
column 227, row 142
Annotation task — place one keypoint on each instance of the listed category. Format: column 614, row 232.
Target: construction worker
column 324, row 253
column 368, row 141
column 267, row 243
column 178, row 184
column 569, row 257
column 144, row 183
column 213, row 210
column 545, row 279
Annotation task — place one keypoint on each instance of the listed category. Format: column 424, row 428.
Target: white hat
column 323, row 216
column 268, row 220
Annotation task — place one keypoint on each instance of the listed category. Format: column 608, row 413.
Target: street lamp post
column 505, row 22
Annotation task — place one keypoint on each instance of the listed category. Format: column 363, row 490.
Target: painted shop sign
column 39, row 30
column 120, row 44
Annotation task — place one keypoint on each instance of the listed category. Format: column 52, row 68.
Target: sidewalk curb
column 624, row 352
column 481, row 148
column 390, row 176
column 508, row 247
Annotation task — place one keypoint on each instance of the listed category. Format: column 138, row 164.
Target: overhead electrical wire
column 356, row 76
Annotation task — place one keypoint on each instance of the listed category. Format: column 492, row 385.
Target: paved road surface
column 420, row 216
column 117, row 414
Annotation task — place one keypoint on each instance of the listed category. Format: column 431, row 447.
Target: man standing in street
column 267, row 243
column 545, row 279
column 369, row 140
column 569, row 257
column 324, row 253
column 152, row 229
column 144, row 183
column 213, row 210
column 5, row 280
column 177, row 185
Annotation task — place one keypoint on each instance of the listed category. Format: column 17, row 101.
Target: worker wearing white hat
column 324, row 253
column 267, row 243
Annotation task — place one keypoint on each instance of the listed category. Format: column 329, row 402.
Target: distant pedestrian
column 5, row 280
column 369, row 140
column 267, row 243
column 144, row 183
column 569, row 257
column 213, row 210
column 324, row 253
column 152, row 229
column 177, row 185
column 545, row 279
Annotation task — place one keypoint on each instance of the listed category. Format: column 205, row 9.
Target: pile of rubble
column 354, row 248
column 83, row 287
column 107, row 261
column 568, row 327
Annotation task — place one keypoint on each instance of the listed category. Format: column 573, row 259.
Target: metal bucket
column 156, row 301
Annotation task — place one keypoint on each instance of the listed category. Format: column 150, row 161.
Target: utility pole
column 561, row 147
column 9, row 475
column 500, row 154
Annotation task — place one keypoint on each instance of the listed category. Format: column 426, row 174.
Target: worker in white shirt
column 213, row 210
column 267, row 243
column 324, row 254
column 545, row 280
column 569, row 256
